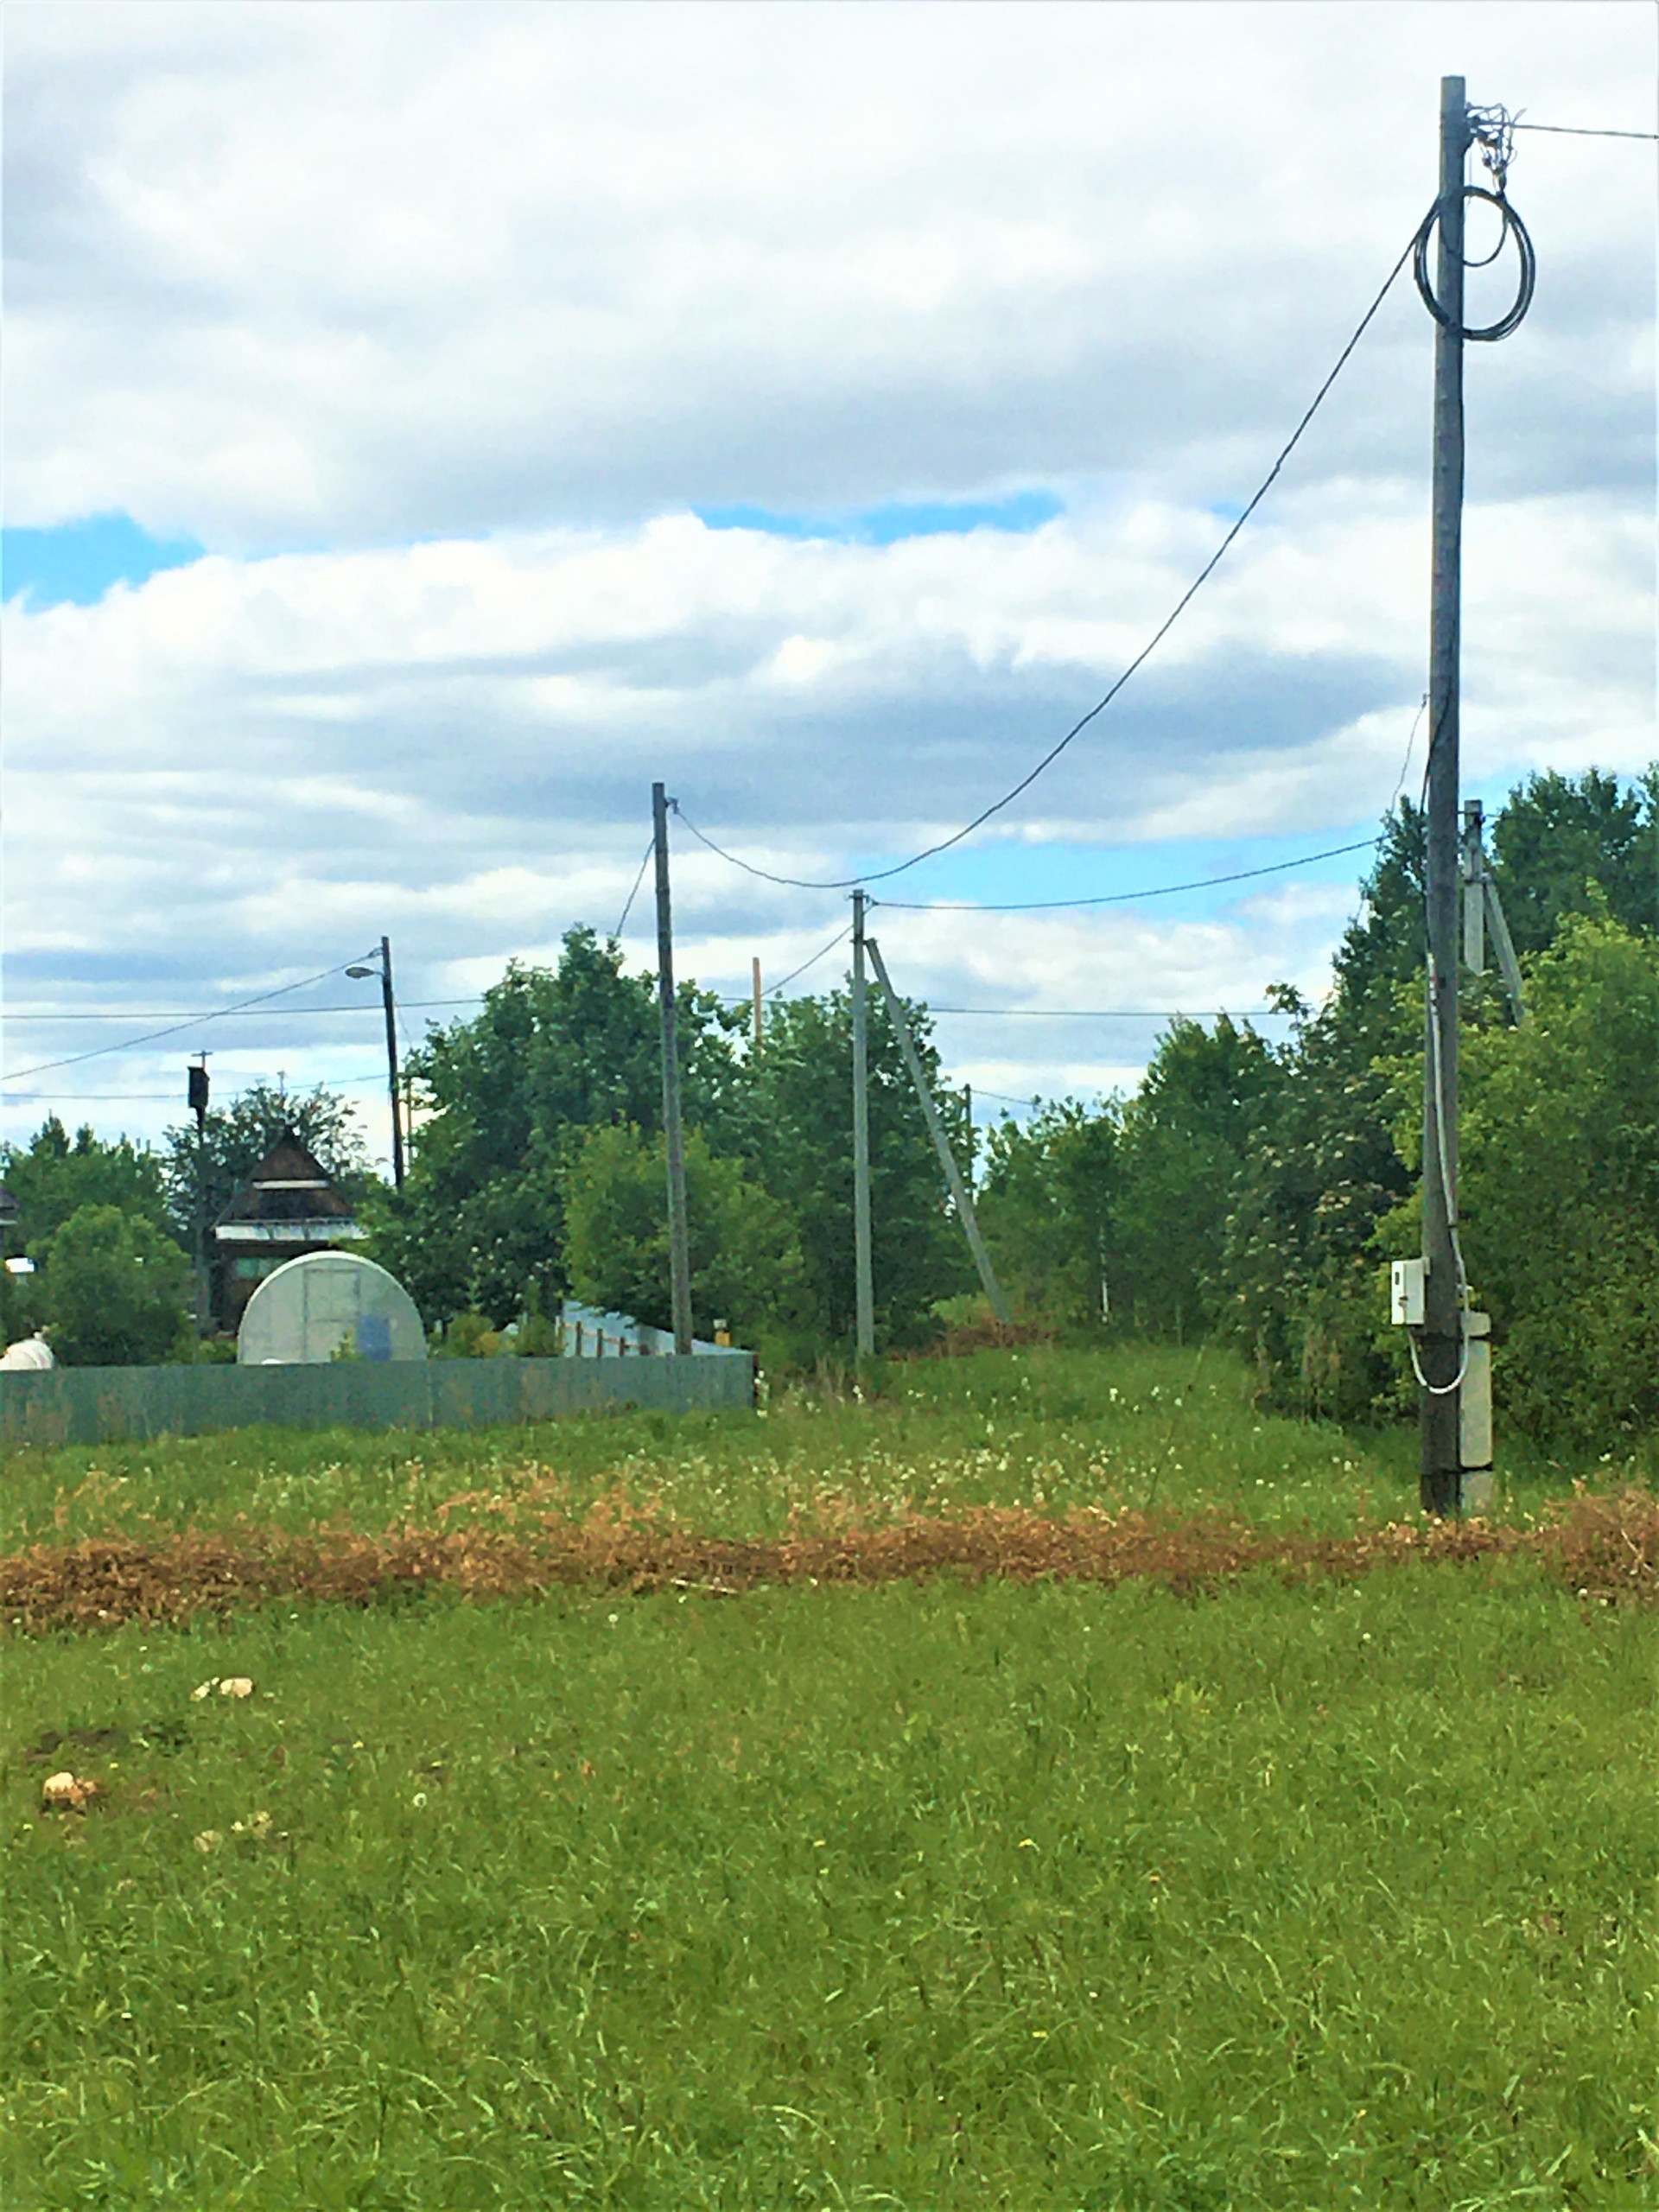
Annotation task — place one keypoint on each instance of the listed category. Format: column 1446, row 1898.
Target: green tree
column 114, row 1289
column 1560, row 1187
column 208, row 1171
column 799, row 1139
column 1046, row 1205
column 1565, row 842
column 51, row 1178
column 1184, row 1140
column 744, row 1250
column 508, row 1097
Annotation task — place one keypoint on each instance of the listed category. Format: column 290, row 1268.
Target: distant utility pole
column 936, row 1129
column 673, row 1134
column 1440, row 1340
column 196, row 1093
column 862, row 1263
column 1482, row 909
column 755, row 965
column 390, row 1002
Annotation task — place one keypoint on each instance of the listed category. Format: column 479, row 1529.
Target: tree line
column 1254, row 1192
column 1248, row 1191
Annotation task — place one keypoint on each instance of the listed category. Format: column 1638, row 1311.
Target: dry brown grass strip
column 1603, row 1547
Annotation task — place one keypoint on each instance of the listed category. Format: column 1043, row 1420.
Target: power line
column 151, row 1037
column 643, row 864
column 221, row 1014
column 1116, row 1013
column 944, row 844
column 1577, row 131
column 839, row 938
column 161, row 1097
column 1118, row 898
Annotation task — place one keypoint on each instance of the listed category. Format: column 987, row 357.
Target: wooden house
column 287, row 1206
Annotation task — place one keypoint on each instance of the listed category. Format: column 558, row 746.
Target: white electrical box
column 1407, row 1292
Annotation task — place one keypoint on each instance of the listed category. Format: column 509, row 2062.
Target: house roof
column 288, row 1186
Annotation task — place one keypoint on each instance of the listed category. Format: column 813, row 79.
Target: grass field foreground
column 925, row 1895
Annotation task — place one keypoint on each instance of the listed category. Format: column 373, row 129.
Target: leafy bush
column 115, row 1290
column 745, row 1248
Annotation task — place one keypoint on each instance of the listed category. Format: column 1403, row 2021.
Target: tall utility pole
column 196, row 1093
column 391, row 1063
column 1440, row 1340
column 389, row 1001
column 755, row 981
column 673, row 1134
column 862, row 1263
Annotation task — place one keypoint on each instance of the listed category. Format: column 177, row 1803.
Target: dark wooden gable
column 288, row 1184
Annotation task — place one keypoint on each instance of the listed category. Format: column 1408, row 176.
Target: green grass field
column 921, row 1896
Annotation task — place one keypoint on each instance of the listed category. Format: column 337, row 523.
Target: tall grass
column 1049, row 1427
column 916, row 1897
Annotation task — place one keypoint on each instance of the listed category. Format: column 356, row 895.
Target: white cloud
column 474, row 302
column 363, row 273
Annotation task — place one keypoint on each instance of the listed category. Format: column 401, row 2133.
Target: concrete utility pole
column 673, row 1134
column 1440, row 1340
column 862, row 1264
column 936, row 1129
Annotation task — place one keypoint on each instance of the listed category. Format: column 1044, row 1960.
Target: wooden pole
column 673, row 1134
column 756, row 966
column 1441, row 1341
column 391, row 1062
column 863, row 1265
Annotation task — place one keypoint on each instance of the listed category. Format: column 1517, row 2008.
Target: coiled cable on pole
column 1513, row 228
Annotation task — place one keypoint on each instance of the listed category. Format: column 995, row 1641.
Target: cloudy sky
column 426, row 425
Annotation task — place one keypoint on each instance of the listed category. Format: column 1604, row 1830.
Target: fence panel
column 102, row 1404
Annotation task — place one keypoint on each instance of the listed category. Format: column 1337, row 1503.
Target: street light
column 384, row 971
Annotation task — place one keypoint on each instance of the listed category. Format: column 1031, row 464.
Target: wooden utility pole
column 1440, row 1340
column 862, row 1263
column 391, row 1062
column 196, row 1092
column 756, row 979
column 936, row 1129
column 673, row 1134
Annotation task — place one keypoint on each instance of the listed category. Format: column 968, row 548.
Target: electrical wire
column 944, row 844
column 1513, row 317
column 1577, row 131
column 1449, row 1199
column 224, row 1013
column 151, row 1037
column 1117, row 898
column 643, row 864
column 772, row 990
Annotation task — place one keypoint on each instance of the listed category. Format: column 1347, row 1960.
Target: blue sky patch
column 74, row 564
column 898, row 518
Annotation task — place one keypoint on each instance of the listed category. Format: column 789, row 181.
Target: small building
column 288, row 1206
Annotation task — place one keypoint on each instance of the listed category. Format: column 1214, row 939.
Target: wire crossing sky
column 814, row 409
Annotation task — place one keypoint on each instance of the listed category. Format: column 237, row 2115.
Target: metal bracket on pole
column 964, row 1204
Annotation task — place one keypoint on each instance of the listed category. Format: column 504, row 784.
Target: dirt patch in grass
column 1604, row 1547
